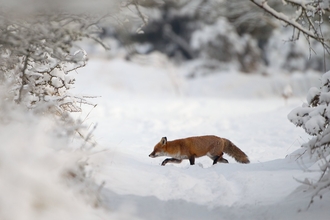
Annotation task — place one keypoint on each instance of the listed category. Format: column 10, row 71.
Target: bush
column 314, row 117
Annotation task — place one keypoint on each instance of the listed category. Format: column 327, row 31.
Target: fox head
column 160, row 148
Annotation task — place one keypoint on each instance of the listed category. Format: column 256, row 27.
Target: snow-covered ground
column 139, row 104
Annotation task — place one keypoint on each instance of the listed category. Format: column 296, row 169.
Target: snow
column 56, row 82
column 139, row 104
column 325, row 79
column 31, row 171
column 210, row 33
column 312, row 93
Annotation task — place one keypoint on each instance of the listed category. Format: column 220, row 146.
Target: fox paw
column 164, row 162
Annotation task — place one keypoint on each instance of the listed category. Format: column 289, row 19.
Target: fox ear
column 163, row 141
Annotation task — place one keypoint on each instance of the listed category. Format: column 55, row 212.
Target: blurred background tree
column 225, row 34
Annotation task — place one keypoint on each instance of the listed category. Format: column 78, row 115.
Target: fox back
column 198, row 146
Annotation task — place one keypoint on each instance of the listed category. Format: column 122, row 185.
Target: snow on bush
column 314, row 117
column 221, row 42
column 218, row 35
column 39, row 54
column 41, row 177
column 44, row 169
column 310, row 34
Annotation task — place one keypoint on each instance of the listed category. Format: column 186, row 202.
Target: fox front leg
column 171, row 160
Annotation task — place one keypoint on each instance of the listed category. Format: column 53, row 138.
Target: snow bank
column 37, row 170
column 155, row 76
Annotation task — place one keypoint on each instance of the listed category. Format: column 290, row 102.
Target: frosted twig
column 292, row 22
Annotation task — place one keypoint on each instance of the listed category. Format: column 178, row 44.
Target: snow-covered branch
column 38, row 53
column 308, row 20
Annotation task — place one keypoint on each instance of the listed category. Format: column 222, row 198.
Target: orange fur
column 194, row 147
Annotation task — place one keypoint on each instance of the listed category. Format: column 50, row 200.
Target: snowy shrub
column 43, row 148
column 221, row 42
column 314, row 117
column 310, row 17
column 218, row 41
column 45, row 170
column 41, row 176
column 38, row 56
column 192, row 30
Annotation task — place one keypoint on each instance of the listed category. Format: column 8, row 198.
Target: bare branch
column 143, row 18
column 293, row 22
column 26, row 60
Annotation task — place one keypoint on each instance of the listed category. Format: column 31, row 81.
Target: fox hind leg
column 218, row 159
column 222, row 160
column 215, row 159
column 171, row 160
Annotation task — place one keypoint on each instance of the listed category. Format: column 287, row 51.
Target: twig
column 282, row 17
column 135, row 3
column 23, row 78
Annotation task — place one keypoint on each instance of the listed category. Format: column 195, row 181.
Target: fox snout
column 152, row 155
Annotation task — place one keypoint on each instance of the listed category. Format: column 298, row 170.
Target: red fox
column 193, row 147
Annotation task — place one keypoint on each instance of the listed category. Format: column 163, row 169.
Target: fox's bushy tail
column 233, row 151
